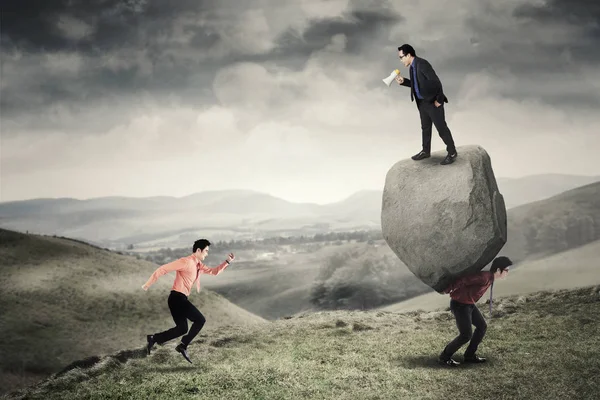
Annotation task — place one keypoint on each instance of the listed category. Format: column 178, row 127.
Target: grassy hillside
column 528, row 189
column 570, row 269
column 538, row 347
column 556, row 224
column 63, row 300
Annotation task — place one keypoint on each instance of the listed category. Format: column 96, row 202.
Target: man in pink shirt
column 465, row 292
column 188, row 270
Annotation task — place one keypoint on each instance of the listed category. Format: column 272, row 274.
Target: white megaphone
column 393, row 75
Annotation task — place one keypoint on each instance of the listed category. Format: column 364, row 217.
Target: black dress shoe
column 474, row 359
column 449, row 159
column 421, row 155
column 150, row 339
column 181, row 349
column 449, row 362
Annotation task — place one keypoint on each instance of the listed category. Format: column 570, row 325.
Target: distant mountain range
column 169, row 221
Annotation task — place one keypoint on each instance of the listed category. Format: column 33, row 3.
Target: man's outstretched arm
column 218, row 269
column 213, row 270
column 162, row 270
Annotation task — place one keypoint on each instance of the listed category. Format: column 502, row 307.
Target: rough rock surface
column 444, row 221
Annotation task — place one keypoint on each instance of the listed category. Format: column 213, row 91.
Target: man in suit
column 426, row 88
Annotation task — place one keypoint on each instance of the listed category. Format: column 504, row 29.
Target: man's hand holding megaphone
column 399, row 79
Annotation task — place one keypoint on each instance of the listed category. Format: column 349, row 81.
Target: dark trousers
column 432, row 115
column 465, row 315
column 181, row 310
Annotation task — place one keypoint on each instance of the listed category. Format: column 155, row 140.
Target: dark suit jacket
column 430, row 85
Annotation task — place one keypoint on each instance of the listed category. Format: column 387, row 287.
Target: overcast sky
column 149, row 97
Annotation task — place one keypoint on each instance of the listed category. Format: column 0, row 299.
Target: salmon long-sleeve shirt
column 469, row 289
column 188, row 271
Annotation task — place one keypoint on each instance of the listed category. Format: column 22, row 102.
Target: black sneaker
column 421, row 155
column 150, row 340
column 181, row 349
column 474, row 359
column 448, row 362
column 449, row 159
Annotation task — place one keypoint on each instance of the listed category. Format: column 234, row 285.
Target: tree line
column 164, row 255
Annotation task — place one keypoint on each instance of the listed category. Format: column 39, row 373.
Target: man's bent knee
column 465, row 337
column 199, row 319
column 182, row 329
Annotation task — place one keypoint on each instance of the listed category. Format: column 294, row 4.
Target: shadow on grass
column 424, row 361
column 431, row 361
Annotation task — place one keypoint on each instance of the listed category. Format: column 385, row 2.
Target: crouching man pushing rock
column 464, row 293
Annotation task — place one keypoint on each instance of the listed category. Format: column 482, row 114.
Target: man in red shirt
column 188, row 270
column 464, row 293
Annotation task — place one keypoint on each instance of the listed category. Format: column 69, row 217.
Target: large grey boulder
column 444, row 221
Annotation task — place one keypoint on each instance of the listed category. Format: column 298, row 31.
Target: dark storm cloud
column 292, row 49
column 33, row 25
column 572, row 11
column 122, row 47
column 531, row 40
column 141, row 48
column 117, row 23
column 129, row 51
column 584, row 14
column 359, row 27
column 544, row 47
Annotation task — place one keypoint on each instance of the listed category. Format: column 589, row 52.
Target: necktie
column 491, row 290
column 197, row 278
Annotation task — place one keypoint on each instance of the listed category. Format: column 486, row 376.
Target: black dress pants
column 432, row 115
column 181, row 310
column 465, row 315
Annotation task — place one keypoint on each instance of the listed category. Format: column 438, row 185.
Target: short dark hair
column 200, row 244
column 407, row 49
column 500, row 263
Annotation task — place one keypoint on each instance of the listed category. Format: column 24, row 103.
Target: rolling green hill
column 571, row 269
column 556, row 224
column 63, row 300
column 539, row 347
